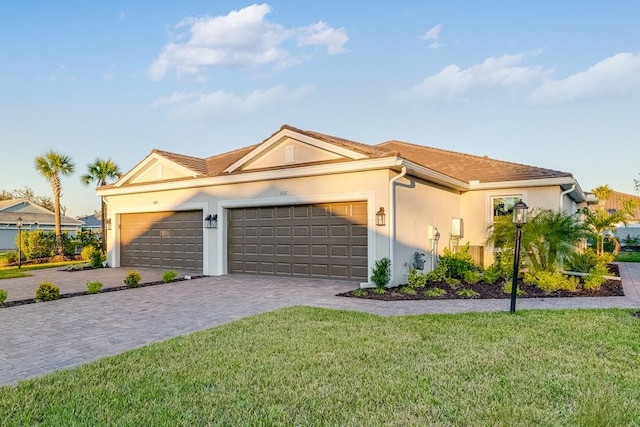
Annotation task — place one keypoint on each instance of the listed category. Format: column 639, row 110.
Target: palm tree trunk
column 56, row 187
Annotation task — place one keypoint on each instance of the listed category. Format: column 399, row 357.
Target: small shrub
column 94, row 287
column 379, row 291
column 434, row 293
column 133, row 279
column 456, row 264
column 360, row 293
column 416, row 279
column 551, row 281
column 472, row 277
column 406, row 290
column 491, row 274
column 381, row 273
column 3, row 295
column 436, row 275
column 506, row 288
column 47, row 291
column 169, row 276
column 467, row 293
column 97, row 258
column 10, row 257
column 86, row 252
column 452, row 282
column 593, row 281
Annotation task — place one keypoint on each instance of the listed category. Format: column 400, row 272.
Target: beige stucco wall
column 420, row 205
column 371, row 186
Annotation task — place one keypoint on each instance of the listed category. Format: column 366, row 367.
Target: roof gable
column 22, row 206
column 290, row 146
column 164, row 166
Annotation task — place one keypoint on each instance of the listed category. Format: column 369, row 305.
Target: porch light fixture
column 211, row 221
column 108, row 223
column 380, row 217
column 519, row 218
column 19, row 225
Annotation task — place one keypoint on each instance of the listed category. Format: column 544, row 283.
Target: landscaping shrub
column 434, row 292
column 379, row 291
column 47, row 291
column 436, row 275
column 551, row 281
column 86, row 252
column 506, row 288
column 37, row 244
column 593, row 281
column 472, row 277
column 169, row 276
column 94, row 287
column 491, row 274
column 467, row 293
column 408, row 290
column 9, row 257
column 133, row 279
column 416, row 279
column 583, row 262
column 360, row 293
column 381, row 273
column 456, row 264
column 97, row 258
column 453, row 282
column 3, row 295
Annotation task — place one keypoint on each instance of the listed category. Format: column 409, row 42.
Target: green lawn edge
column 312, row 366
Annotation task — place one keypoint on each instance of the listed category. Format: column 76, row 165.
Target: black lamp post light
column 19, row 225
column 519, row 218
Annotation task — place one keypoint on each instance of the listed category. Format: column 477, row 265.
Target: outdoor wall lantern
column 519, row 218
column 211, row 221
column 19, row 225
column 380, row 217
column 108, row 223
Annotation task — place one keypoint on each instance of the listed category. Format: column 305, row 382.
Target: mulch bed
column 102, row 291
column 609, row 288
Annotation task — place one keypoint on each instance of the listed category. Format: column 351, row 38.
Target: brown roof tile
column 195, row 164
column 369, row 150
column 467, row 167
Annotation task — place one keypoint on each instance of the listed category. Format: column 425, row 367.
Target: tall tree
column 51, row 165
column 100, row 171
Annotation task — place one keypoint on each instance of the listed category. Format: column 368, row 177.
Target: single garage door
column 323, row 240
column 162, row 240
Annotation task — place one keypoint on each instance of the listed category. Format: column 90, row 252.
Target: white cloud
column 242, row 39
column 454, row 82
column 195, row 106
column 615, row 76
column 433, row 35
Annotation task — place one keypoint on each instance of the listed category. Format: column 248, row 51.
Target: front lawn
column 310, row 366
column 14, row 271
column 624, row 256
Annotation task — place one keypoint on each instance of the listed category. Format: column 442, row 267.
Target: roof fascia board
column 297, row 136
column 355, row 166
column 160, row 158
column 578, row 195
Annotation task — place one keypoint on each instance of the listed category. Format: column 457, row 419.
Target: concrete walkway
column 44, row 337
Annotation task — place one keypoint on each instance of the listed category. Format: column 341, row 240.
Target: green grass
column 14, row 271
column 308, row 366
column 628, row 256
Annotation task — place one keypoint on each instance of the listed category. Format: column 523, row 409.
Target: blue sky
column 547, row 83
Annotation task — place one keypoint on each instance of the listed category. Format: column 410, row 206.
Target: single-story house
column 34, row 217
column 307, row 204
column 630, row 230
column 92, row 223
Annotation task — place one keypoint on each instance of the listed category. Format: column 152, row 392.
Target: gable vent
column 290, row 154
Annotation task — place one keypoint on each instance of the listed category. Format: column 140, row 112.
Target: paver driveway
column 43, row 337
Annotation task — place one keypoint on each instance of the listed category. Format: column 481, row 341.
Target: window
column 503, row 205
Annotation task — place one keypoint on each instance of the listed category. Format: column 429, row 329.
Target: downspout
column 573, row 187
column 392, row 216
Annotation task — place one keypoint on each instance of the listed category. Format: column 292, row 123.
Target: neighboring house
column 34, row 217
column 307, row 204
column 632, row 228
column 92, row 223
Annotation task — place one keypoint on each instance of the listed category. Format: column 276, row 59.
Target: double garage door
column 322, row 240
column 167, row 240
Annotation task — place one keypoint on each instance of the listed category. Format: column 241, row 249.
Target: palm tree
column 51, row 165
column 548, row 238
column 100, row 171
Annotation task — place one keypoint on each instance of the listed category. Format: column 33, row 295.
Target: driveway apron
column 44, row 337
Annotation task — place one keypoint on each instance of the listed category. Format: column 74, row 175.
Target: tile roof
column 615, row 202
column 467, row 167
column 370, row 150
column 45, row 217
column 195, row 164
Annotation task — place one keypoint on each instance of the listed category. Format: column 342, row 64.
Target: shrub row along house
column 307, row 204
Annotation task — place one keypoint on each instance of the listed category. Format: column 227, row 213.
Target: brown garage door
column 323, row 240
column 162, row 240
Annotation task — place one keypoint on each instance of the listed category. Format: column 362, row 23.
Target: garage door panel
column 324, row 240
column 162, row 240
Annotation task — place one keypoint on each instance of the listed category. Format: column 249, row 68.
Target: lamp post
column 19, row 225
column 519, row 218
